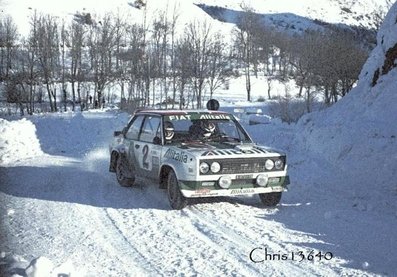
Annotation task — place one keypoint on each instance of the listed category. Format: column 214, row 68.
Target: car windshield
column 203, row 127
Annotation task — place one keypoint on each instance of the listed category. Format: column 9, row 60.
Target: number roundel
column 145, row 152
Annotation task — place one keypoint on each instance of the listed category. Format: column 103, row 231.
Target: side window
column 133, row 131
column 150, row 129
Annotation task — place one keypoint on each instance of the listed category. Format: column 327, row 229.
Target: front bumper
column 193, row 189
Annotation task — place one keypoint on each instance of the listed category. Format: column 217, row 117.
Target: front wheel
column 175, row 196
column 124, row 176
column 270, row 199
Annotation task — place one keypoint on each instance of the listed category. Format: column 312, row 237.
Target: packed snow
column 18, row 140
column 63, row 214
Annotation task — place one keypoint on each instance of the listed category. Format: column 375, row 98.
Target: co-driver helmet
column 168, row 130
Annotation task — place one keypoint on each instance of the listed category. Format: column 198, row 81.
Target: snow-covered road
column 64, row 205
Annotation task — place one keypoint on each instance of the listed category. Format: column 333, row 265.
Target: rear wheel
column 175, row 196
column 125, row 176
column 270, row 199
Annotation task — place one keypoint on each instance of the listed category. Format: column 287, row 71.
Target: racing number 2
column 145, row 152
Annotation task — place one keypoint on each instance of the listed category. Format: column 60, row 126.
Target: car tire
column 270, row 199
column 124, row 176
column 175, row 196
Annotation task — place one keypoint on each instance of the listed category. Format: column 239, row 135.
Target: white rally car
column 196, row 153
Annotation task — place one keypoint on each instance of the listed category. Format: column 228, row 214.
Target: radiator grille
column 242, row 166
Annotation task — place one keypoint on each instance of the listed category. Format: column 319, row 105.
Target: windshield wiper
column 224, row 137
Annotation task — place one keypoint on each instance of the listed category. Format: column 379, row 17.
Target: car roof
column 179, row 112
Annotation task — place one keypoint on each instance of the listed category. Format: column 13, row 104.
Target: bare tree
column 8, row 41
column 339, row 71
column 199, row 39
column 159, row 55
column 101, row 43
column 173, row 24
column 45, row 39
column 120, row 43
column 184, row 68
column 74, row 41
column 248, row 24
column 63, row 67
column 305, row 58
column 134, row 57
column 220, row 68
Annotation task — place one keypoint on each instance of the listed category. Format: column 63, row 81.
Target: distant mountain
column 285, row 15
column 363, row 13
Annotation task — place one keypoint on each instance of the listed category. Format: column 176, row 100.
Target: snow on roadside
column 358, row 135
column 343, row 166
column 18, row 141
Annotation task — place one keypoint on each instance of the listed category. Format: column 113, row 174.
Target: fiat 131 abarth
column 196, row 153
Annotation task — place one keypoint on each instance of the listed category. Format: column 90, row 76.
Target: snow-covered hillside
column 351, row 12
column 290, row 14
column 358, row 134
column 22, row 10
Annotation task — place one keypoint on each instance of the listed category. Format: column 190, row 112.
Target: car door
column 148, row 147
column 131, row 138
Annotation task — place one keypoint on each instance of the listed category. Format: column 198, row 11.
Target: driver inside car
column 168, row 131
column 201, row 129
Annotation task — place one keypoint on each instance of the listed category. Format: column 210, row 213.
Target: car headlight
column 261, row 180
column 215, row 167
column 278, row 164
column 225, row 182
column 269, row 164
column 204, row 168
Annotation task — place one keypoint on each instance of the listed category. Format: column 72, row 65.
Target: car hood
column 231, row 149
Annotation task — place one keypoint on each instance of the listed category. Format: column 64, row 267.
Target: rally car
column 196, row 153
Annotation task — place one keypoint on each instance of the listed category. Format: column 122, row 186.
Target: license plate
column 244, row 176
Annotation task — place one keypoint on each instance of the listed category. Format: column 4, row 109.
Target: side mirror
column 157, row 140
column 117, row 133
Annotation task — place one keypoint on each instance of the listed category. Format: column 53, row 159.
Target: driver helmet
column 168, row 130
column 208, row 128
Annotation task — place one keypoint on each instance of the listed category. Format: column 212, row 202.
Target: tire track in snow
column 190, row 251
column 105, row 246
column 236, row 239
column 245, row 236
column 213, row 228
column 146, row 231
column 209, row 234
column 149, row 194
column 139, row 257
column 277, row 238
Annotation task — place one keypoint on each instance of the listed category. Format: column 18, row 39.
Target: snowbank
column 18, row 140
column 358, row 135
column 15, row 265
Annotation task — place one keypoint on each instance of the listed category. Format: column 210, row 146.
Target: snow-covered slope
column 287, row 13
column 359, row 134
column 350, row 12
column 186, row 11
